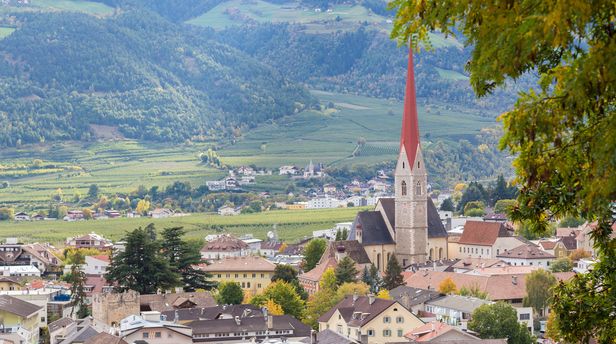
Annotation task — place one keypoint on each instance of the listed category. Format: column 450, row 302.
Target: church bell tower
column 411, row 221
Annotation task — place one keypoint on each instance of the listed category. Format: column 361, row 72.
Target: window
column 157, row 335
column 418, row 164
column 339, row 329
column 399, row 320
column 524, row 316
column 237, row 275
column 400, row 333
column 370, row 333
column 245, row 276
column 219, row 275
column 248, row 284
column 254, row 275
column 386, row 320
column 243, row 285
column 259, row 285
column 403, row 188
column 403, row 164
column 386, row 333
column 418, row 189
column 460, row 249
column 146, row 335
column 262, row 276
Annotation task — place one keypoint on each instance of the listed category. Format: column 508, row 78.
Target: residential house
column 482, row 239
column 20, row 271
column 270, row 248
column 369, row 319
column 61, row 329
column 112, row 214
column 469, row 264
column 216, row 185
column 254, row 244
column 324, row 203
column 227, row 210
column 187, row 315
column 527, row 254
column 105, row 338
column 8, row 283
column 21, row 256
column 495, row 217
column 584, row 239
column 21, row 216
column 160, row 213
column 582, row 266
column 253, row 273
column 334, row 252
column 91, row 240
column 413, row 299
column 454, row 310
column 287, row 170
column 21, row 320
column 554, row 247
column 74, row 215
column 224, row 246
column 329, row 188
column 243, row 329
column 149, row 327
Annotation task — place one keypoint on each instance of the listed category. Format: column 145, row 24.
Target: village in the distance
column 404, row 271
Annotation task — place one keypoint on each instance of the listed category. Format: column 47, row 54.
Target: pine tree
column 393, row 274
column 346, row 271
column 77, row 280
column 376, row 279
column 183, row 256
column 141, row 267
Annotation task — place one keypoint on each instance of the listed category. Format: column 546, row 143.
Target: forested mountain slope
column 61, row 72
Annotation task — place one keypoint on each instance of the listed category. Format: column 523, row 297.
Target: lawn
column 290, row 225
column 5, row 31
column 89, row 7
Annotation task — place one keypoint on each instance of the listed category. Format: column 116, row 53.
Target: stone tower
column 411, row 221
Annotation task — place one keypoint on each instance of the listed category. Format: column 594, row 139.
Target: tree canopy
column 393, row 274
column 313, row 252
column 561, row 132
column 499, row 320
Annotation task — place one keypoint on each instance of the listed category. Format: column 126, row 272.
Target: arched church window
column 418, row 189
column 403, row 164
column 418, row 164
column 403, row 188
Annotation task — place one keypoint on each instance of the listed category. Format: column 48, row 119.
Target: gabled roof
column 415, row 296
column 60, row 323
column 164, row 302
column 329, row 337
column 280, row 322
column 482, row 233
column 431, row 331
column 244, row 263
column 224, row 243
column 460, row 303
column 105, row 338
column 374, row 229
column 350, row 306
column 18, row 307
column 352, row 248
column 409, row 137
column 435, row 226
column 527, row 251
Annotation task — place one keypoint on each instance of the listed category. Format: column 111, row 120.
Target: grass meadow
column 290, row 225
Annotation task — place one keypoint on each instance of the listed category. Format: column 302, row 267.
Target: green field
column 89, row 7
column 5, row 31
column 451, row 75
column 237, row 12
column 331, row 136
column 290, row 225
column 116, row 166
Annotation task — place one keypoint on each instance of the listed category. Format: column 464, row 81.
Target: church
column 407, row 225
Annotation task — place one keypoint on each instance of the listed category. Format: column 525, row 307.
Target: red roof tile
column 482, row 233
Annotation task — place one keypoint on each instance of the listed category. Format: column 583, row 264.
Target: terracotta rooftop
column 527, row 251
column 482, row 233
column 474, row 263
column 548, row 244
column 246, row 263
column 429, row 331
column 224, row 243
column 498, row 287
column 102, row 257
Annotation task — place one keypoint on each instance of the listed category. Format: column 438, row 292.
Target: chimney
column 514, row 280
column 270, row 322
column 370, row 298
column 355, row 296
column 238, row 321
column 313, row 337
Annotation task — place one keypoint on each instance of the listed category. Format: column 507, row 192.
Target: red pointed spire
column 409, row 139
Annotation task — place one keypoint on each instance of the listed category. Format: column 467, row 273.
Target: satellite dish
column 271, row 235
